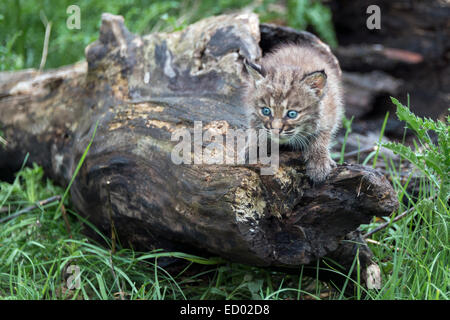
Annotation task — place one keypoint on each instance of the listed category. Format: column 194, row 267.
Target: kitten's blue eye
column 292, row 114
column 265, row 111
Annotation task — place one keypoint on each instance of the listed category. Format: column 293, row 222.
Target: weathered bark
column 140, row 90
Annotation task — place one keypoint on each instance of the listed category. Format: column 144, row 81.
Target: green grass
column 22, row 23
column 36, row 250
column 414, row 252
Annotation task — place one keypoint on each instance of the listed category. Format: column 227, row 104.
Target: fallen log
column 142, row 89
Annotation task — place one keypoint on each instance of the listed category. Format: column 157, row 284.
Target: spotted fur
column 300, row 79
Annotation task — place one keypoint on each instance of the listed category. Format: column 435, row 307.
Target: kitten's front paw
column 318, row 171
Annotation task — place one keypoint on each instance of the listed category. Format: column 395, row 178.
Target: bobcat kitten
column 297, row 92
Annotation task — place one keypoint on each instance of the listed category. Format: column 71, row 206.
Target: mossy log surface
column 141, row 89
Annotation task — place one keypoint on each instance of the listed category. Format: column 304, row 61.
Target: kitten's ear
column 316, row 80
column 255, row 71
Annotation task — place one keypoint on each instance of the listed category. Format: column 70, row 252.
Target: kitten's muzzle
column 277, row 125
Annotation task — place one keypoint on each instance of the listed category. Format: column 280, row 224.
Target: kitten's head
column 285, row 99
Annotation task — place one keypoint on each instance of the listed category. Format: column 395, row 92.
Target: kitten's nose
column 277, row 124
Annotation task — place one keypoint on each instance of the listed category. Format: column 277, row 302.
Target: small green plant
column 413, row 252
column 431, row 158
column 302, row 13
column 8, row 59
